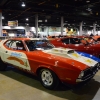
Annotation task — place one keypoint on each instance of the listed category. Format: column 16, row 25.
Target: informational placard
column 13, row 23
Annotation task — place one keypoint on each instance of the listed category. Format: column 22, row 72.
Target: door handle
column 6, row 51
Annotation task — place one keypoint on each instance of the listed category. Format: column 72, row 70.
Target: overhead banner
column 13, row 23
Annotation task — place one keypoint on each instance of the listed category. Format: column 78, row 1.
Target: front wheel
column 48, row 79
column 3, row 66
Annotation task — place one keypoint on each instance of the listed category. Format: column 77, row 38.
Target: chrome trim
column 89, row 76
column 80, row 80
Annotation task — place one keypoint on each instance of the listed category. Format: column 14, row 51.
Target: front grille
column 90, row 72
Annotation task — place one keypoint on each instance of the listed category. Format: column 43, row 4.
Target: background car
column 79, row 44
column 97, row 38
column 51, row 65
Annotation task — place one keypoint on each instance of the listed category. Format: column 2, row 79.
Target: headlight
column 81, row 74
column 98, row 65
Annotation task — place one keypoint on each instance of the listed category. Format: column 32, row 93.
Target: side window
column 65, row 40
column 8, row 43
column 72, row 41
column 20, row 45
column 15, row 45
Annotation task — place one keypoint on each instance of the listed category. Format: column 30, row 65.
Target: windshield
column 38, row 45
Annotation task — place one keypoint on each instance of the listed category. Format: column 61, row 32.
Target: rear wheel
column 48, row 79
column 3, row 66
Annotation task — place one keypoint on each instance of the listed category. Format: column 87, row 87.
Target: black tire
column 48, row 79
column 3, row 66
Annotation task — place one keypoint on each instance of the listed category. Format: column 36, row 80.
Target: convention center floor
column 18, row 85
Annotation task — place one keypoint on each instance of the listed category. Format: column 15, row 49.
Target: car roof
column 26, row 39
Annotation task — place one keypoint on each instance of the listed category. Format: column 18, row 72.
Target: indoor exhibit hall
column 49, row 50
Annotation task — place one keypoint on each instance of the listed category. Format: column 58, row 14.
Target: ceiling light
column 88, row 9
column 39, row 20
column 57, row 5
column 23, row 4
column 45, row 20
column 88, row 1
column 97, row 13
column 3, row 17
column 27, row 19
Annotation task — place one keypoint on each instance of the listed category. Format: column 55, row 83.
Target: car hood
column 71, row 54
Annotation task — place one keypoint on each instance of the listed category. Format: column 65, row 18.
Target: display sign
column 13, row 23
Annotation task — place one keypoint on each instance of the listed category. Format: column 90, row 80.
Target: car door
column 15, row 54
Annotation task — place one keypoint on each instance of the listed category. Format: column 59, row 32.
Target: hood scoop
column 60, row 52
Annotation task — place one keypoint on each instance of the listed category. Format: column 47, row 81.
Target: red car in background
column 97, row 38
column 79, row 44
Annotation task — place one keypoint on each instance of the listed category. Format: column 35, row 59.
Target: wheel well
column 38, row 70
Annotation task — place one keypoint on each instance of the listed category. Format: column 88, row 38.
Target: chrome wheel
column 46, row 77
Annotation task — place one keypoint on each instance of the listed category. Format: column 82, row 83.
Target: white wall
column 12, row 33
column 8, row 27
column 46, row 30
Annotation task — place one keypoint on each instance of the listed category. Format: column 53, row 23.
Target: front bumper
column 89, row 73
